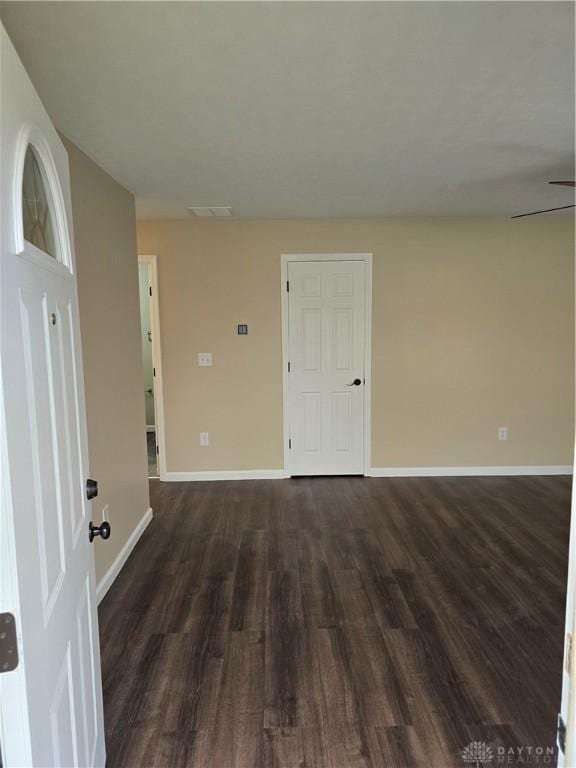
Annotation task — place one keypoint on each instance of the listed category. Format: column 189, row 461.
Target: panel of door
column 46, row 440
column 326, row 330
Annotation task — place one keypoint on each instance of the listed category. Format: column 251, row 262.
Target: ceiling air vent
column 203, row 211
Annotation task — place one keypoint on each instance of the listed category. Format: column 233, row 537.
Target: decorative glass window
column 36, row 209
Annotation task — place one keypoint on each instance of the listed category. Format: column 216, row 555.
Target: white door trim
column 286, row 258
column 152, row 262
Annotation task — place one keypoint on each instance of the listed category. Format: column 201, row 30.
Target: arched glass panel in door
column 37, row 210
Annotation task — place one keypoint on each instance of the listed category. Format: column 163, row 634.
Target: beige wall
column 472, row 330
column 107, row 266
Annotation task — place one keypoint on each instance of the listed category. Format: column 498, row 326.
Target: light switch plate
column 204, row 359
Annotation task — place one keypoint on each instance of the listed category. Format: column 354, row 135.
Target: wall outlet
column 204, row 438
column 204, row 359
column 502, row 433
column 105, row 513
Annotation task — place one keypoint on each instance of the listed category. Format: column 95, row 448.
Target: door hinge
column 150, row 290
column 8, row 643
column 288, row 366
column 290, row 443
column 153, row 371
column 561, row 735
column 157, row 451
column 288, row 286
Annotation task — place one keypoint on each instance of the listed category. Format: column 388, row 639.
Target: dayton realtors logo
column 480, row 754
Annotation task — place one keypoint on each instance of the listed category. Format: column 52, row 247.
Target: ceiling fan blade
column 546, row 210
column 564, row 183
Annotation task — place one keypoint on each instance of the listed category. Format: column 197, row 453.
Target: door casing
column 286, row 259
column 152, row 263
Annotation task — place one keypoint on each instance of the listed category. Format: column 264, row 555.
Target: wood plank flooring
column 337, row 623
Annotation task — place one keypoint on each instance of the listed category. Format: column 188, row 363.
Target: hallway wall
column 107, row 266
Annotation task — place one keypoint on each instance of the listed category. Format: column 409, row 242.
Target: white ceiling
column 313, row 109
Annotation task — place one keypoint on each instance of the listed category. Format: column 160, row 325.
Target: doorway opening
column 150, row 347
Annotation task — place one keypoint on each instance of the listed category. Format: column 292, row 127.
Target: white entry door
column 326, row 351
column 51, row 703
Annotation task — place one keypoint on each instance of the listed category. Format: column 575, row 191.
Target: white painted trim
column 152, row 261
column 568, row 699
column 285, row 357
column 280, row 474
column 551, row 469
column 32, row 135
column 286, row 258
column 232, row 474
column 109, row 577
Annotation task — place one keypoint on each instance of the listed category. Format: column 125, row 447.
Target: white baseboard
column 238, row 474
column 279, row 474
column 554, row 469
column 108, row 579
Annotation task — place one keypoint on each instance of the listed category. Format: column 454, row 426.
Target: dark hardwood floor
column 337, row 623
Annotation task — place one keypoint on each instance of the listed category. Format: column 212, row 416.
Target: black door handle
column 103, row 530
column 355, row 383
column 91, row 489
